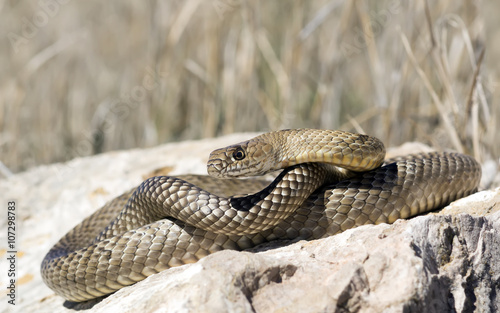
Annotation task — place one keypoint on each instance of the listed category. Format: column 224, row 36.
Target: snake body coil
column 331, row 181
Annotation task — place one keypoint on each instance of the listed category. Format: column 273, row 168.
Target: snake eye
column 239, row 154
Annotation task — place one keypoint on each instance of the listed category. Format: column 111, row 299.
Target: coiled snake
column 331, row 181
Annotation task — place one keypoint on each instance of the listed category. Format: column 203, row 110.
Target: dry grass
column 82, row 77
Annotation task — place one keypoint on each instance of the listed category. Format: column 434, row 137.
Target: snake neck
column 353, row 152
column 292, row 186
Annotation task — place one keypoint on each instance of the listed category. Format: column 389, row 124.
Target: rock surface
column 442, row 262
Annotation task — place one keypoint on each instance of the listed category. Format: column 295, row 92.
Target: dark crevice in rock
column 495, row 301
column 250, row 282
column 351, row 298
column 437, row 298
column 469, row 286
column 445, row 249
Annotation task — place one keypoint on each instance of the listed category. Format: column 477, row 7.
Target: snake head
column 249, row 158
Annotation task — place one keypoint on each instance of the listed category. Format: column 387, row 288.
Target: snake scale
column 330, row 181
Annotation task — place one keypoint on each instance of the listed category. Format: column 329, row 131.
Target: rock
column 426, row 264
column 439, row 262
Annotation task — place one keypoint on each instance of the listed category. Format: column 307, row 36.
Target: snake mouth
column 220, row 170
column 215, row 169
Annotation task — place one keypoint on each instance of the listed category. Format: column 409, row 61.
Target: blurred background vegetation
column 83, row 77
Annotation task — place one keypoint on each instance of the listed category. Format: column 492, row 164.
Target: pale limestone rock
column 426, row 264
column 444, row 261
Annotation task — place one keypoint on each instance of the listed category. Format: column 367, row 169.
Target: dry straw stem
column 473, row 108
column 375, row 64
column 439, row 105
column 278, row 71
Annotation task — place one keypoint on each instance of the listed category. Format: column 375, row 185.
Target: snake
column 330, row 181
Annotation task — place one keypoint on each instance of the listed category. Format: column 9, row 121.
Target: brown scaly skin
column 168, row 221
